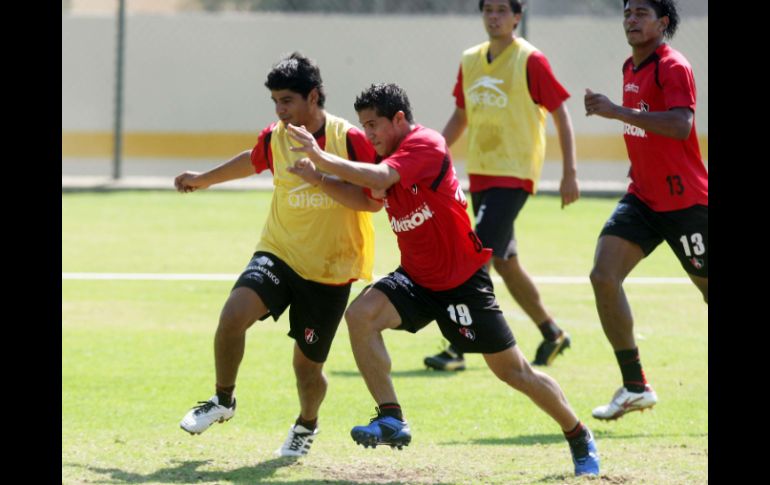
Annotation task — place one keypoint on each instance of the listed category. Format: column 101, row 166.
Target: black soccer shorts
column 496, row 210
column 468, row 315
column 686, row 231
column 316, row 309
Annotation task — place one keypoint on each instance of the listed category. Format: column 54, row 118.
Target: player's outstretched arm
column 235, row 168
column 349, row 195
column 568, row 188
column 675, row 123
column 377, row 177
column 455, row 126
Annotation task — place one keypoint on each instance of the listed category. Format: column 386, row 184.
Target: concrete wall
column 194, row 82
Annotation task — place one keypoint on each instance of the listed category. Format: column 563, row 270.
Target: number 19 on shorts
column 460, row 313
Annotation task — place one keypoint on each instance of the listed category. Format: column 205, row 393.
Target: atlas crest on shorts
column 468, row 333
column 310, row 336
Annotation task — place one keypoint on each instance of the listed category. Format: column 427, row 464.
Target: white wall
column 205, row 72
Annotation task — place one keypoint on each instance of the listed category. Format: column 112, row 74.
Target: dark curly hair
column 664, row 8
column 386, row 100
column 516, row 5
column 297, row 73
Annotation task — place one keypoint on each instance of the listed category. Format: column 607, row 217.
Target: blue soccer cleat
column 383, row 430
column 584, row 456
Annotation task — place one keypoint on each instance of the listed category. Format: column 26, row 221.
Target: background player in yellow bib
column 504, row 89
column 311, row 249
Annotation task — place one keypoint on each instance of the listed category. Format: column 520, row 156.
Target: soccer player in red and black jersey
column 443, row 274
column 668, row 195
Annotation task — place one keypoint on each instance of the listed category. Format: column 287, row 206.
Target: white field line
column 552, row 280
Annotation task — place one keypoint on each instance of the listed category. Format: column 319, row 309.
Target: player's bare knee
column 519, row 379
column 232, row 321
column 362, row 315
column 603, row 281
column 505, row 267
column 309, row 374
column 359, row 317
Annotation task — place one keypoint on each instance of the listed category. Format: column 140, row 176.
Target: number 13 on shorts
column 697, row 244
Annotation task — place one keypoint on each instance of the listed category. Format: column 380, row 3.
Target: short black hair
column 297, row 73
column 386, row 100
column 516, row 5
column 664, row 8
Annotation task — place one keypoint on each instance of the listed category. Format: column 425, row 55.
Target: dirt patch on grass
column 382, row 473
column 615, row 479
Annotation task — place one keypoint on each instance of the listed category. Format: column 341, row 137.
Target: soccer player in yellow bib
column 504, row 89
column 312, row 248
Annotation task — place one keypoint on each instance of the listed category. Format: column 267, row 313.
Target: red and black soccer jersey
column 666, row 174
column 427, row 211
column 359, row 147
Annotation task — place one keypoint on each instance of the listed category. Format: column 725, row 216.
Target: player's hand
column 569, row 190
column 189, row 182
column 598, row 104
column 306, row 142
column 379, row 194
column 306, row 170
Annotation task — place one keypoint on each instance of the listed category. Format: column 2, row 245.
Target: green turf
column 137, row 354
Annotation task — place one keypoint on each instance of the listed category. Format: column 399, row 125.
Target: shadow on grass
column 397, row 373
column 188, row 472
column 549, row 439
column 613, row 435
column 526, row 440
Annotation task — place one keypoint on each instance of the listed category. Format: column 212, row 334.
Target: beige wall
column 199, row 77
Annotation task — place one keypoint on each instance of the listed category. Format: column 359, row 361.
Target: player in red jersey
column 442, row 276
column 668, row 195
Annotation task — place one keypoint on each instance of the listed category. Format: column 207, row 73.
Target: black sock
column 577, row 433
column 391, row 409
column 452, row 348
column 549, row 330
column 311, row 425
column 225, row 395
column 631, row 368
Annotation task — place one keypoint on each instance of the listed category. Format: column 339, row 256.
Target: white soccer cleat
column 298, row 442
column 625, row 401
column 199, row 418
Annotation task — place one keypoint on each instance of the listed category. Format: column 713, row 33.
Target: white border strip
column 552, row 280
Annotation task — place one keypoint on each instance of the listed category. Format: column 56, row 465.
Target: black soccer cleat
column 446, row 360
column 547, row 350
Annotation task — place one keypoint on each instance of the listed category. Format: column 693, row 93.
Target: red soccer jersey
column 544, row 89
column 359, row 147
column 427, row 211
column 666, row 174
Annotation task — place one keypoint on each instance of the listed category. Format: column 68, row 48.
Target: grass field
column 136, row 355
